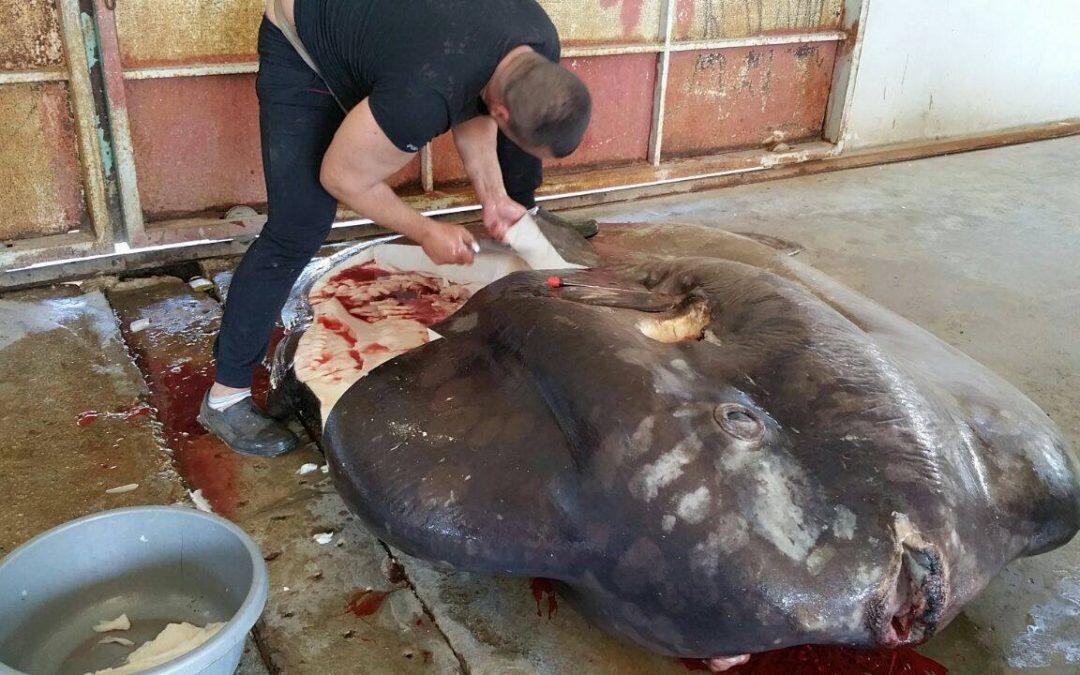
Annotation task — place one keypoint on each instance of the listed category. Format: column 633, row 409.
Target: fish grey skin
column 727, row 453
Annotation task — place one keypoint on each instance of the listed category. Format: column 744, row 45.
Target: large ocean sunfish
column 716, row 450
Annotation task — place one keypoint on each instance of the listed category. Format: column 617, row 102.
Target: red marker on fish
column 559, row 282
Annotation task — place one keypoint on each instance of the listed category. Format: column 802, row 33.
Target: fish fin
column 782, row 245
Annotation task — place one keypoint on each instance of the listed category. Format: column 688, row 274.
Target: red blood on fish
column 332, row 324
column 425, row 311
column 87, row 418
column 365, row 273
column 357, row 357
column 375, row 348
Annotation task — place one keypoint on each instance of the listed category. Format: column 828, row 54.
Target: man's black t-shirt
column 420, row 63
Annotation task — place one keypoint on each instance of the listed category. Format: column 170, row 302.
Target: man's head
column 541, row 106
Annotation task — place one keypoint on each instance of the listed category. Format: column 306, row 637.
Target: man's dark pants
column 297, row 121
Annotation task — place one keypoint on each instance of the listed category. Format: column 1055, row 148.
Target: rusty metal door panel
column 159, row 33
column 737, row 98
column 597, row 21
column 40, row 177
column 714, row 19
column 30, row 36
column 196, row 144
column 622, row 92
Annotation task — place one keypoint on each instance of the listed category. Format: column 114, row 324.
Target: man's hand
column 447, row 244
column 501, row 215
column 475, row 140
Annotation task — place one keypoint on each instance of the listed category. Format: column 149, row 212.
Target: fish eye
column 739, row 421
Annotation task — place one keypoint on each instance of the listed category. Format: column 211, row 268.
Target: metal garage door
column 682, row 89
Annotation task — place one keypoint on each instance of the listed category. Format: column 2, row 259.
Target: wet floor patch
column 78, row 433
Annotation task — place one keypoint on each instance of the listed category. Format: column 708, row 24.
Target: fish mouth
column 907, row 607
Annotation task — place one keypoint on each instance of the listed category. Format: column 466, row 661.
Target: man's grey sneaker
column 586, row 228
column 246, row 429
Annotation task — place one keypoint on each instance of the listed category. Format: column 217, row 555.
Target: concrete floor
column 983, row 249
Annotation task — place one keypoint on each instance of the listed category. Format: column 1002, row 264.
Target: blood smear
column 341, row 330
column 366, row 602
column 831, row 660
column 371, row 294
column 540, row 588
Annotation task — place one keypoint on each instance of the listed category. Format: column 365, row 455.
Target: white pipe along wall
column 934, row 69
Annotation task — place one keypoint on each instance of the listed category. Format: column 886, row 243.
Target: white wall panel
column 939, row 68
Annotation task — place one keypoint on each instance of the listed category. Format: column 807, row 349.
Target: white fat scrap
column 200, row 501
column 307, row 468
column 172, row 642
column 113, row 639
column 529, row 242
column 487, row 268
column 119, row 623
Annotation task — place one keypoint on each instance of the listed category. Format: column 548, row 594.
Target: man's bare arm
column 354, row 170
column 475, row 140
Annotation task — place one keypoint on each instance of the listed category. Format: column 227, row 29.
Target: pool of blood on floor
column 176, row 392
column 831, row 660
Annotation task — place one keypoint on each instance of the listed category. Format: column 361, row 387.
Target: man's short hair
column 549, row 106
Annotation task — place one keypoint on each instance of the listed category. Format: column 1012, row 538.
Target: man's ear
column 500, row 113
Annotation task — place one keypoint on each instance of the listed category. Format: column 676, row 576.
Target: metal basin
column 157, row 564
